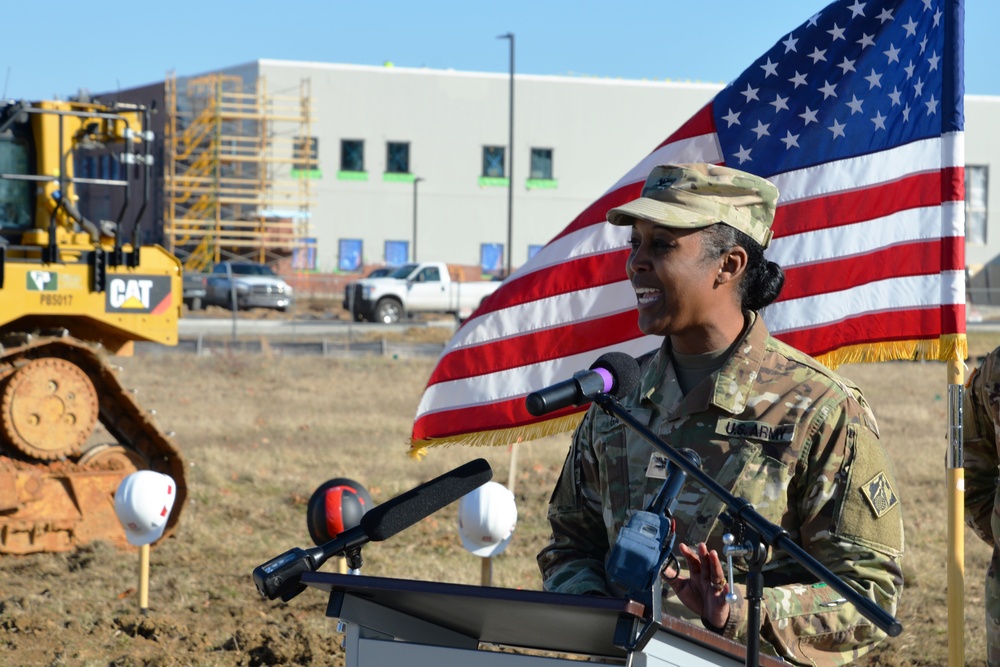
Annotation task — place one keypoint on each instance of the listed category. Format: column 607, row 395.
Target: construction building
column 234, row 157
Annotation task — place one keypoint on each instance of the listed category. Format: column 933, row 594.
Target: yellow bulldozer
column 75, row 286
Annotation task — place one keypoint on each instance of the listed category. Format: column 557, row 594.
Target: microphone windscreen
column 624, row 370
column 385, row 520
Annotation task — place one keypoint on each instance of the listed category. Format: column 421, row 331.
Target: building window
column 397, row 157
column 493, row 162
column 396, row 252
column 352, row 155
column 976, row 188
column 305, row 157
column 541, row 164
column 491, row 258
column 350, row 255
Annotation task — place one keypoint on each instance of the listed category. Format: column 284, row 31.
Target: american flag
column 857, row 117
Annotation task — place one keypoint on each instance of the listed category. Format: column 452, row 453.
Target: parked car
column 381, row 272
column 256, row 286
column 194, row 289
column 424, row 287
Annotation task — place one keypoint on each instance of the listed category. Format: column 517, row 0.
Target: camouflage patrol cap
column 691, row 196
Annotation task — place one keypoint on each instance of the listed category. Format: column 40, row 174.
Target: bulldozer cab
column 69, row 254
column 16, row 162
column 76, row 282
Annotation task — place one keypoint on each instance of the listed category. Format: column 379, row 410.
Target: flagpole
column 955, row 475
column 953, row 121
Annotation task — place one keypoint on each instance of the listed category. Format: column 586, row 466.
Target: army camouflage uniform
column 777, row 428
column 981, row 439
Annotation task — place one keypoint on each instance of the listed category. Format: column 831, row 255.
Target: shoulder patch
column 879, row 494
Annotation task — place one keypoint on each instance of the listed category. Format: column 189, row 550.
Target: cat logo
column 138, row 294
column 130, row 293
column 43, row 281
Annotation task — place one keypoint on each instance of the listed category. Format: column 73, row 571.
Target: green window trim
column 395, row 177
column 307, row 173
column 541, row 184
column 493, row 181
column 352, row 175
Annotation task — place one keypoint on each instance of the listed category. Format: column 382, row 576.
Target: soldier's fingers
column 692, row 558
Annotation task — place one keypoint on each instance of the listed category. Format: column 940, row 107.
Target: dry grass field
column 260, row 433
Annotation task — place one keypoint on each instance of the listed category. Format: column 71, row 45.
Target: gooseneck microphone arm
column 743, row 512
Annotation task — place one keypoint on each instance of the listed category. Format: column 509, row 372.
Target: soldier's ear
column 732, row 265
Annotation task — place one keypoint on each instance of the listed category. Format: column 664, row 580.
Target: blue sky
column 104, row 47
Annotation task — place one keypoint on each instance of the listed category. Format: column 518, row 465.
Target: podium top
column 557, row 622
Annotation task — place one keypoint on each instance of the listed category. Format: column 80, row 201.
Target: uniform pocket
column 749, row 474
column 616, row 476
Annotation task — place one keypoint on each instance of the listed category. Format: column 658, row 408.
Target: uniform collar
column 731, row 386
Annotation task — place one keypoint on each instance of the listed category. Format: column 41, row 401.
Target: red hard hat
column 336, row 506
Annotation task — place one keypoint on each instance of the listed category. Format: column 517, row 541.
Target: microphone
column 281, row 576
column 645, row 542
column 614, row 373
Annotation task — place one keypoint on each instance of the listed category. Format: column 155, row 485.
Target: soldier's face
column 674, row 284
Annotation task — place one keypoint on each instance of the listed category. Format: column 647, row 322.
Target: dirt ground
column 259, row 434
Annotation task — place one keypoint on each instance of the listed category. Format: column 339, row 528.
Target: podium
column 422, row 624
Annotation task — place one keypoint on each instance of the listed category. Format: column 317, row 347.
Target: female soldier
column 770, row 423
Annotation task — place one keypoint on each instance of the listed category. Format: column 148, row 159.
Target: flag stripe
column 494, row 416
column 882, row 327
column 863, row 237
column 863, row 171
column 912, row 292
column 910, row 259
column 847, row 208
column 570, row 276
column 482, row 389
column 531, row 348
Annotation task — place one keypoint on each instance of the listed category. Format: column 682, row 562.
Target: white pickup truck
column 422, row 287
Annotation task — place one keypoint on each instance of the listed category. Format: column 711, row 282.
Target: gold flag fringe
column 946, row 348
column 499, row 437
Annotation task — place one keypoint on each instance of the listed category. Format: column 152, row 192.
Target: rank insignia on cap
column 880, row 494
column 662, row 183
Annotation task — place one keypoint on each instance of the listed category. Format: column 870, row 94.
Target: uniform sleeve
column 979, row 444
column 850, row 518
column 573, row 561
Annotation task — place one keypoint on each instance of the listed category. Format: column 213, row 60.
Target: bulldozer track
column 61, row 504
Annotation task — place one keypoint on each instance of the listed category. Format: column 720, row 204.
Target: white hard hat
column 143, row 502
column 486, row 519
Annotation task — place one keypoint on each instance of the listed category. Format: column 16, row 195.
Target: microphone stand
column 754, row 554
column 758, row 534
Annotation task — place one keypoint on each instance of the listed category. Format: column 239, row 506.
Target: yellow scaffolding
column 238, row 167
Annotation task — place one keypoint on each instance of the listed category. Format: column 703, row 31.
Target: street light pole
column 510, row 158
column 415, row 181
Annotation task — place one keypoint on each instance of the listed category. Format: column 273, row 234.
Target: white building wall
column 596, row 128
